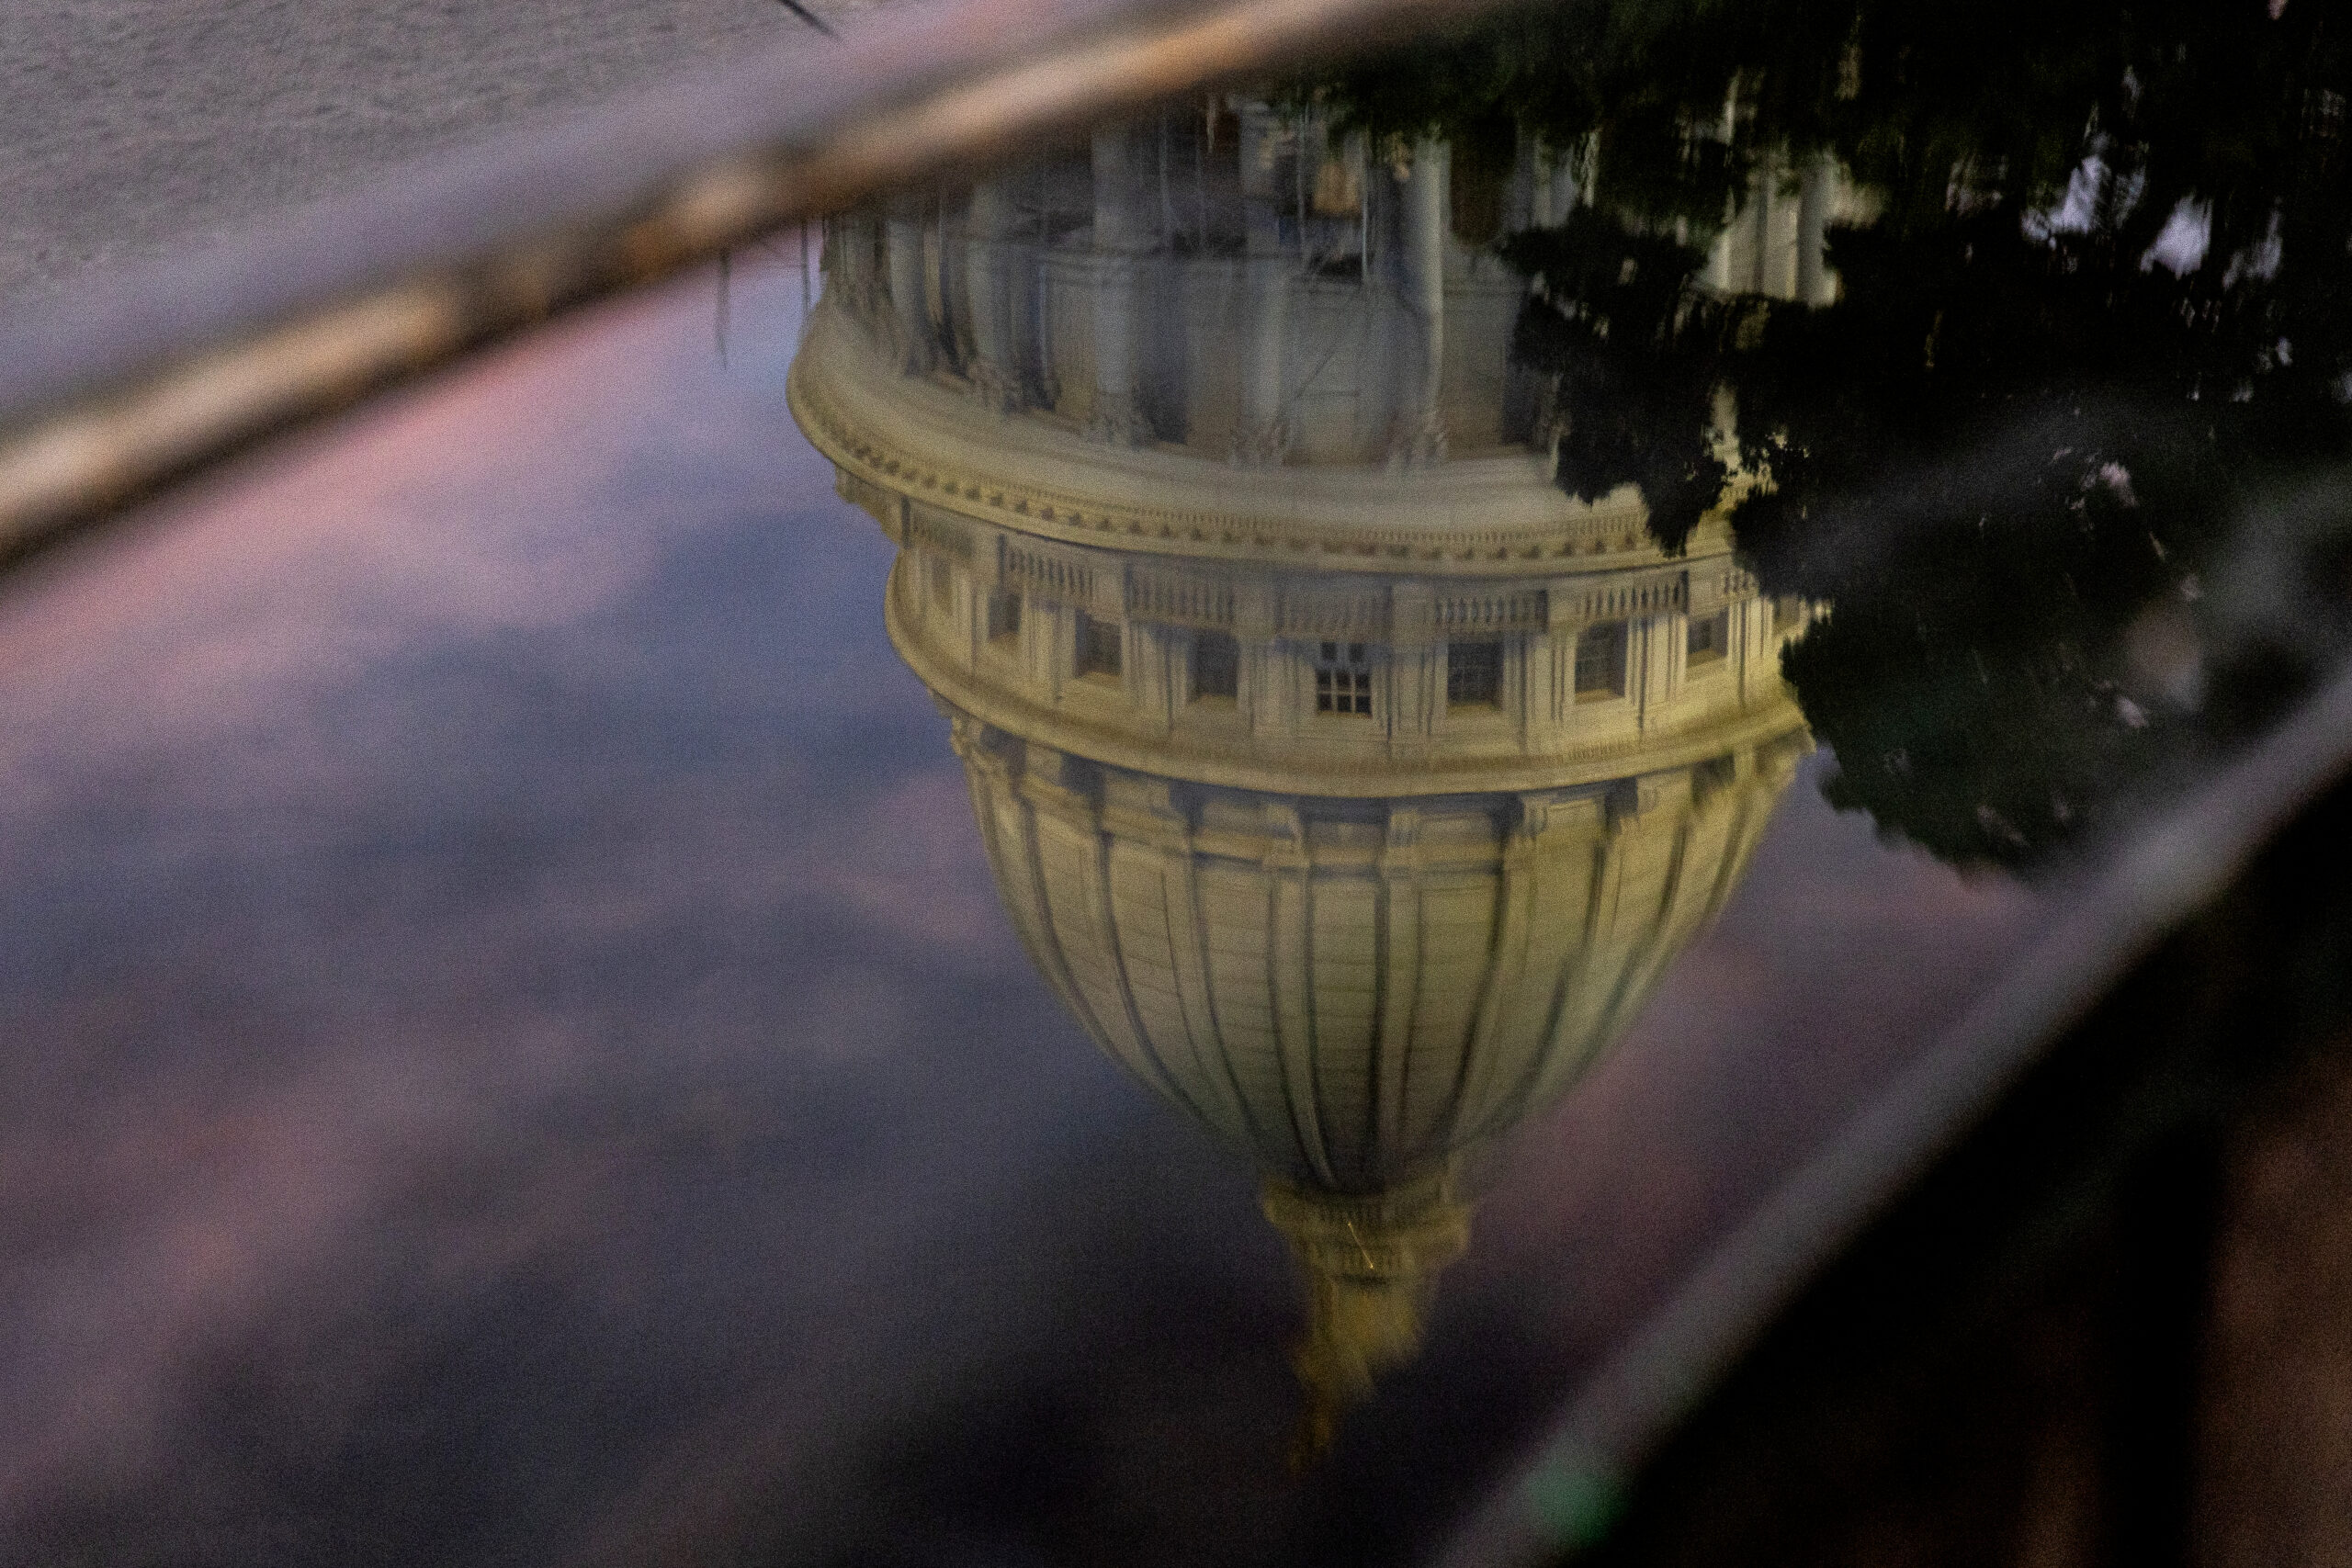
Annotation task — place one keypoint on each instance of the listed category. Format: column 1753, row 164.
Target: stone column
column 1560, row 186
column 945, row 291
column 1262, row 431
column 988, row 272
column 1533, row 704
column 1415, row 671
column 849, row 267
column 1815, row 284
column 1551, row 185
column 1763, row 193
column 1652, row 662
column 1269, row 677
column 910, row 322
column 1122, row 238
column 1420, row 435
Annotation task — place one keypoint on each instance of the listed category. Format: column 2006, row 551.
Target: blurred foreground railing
column 133, row 377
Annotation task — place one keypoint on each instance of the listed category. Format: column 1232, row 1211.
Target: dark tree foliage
column 1631, row 374
column 2020, row 438
column 2007, row 451
column 1994, row 457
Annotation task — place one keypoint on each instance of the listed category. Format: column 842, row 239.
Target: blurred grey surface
column 127, row 125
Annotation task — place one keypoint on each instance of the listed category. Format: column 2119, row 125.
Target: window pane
column 1343, row 681
column 1005, row 615
column 1709, row 637
column 1216, row 665
column 1600, row 661
column 1098, row 646
column 1474, row 673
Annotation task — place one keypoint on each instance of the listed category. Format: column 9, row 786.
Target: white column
column 1562, row 186
column 1259, row 679
column 1552, row 193
column 988, row 241
column 850, row 265
column 1815, row 284
column 910, row 310
column 1419, row 436
column 1123, row 236
column 1263, row 434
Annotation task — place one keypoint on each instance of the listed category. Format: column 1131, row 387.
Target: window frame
column 1342, row 685
column 1229, row 660
column 1618, row 660
column 1717, row 623
column 1099, row 648
column 1489, row 661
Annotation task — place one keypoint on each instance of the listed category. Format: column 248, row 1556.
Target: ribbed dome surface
column 1350, row 990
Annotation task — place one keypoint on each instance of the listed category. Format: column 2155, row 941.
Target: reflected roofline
column 1492, row 515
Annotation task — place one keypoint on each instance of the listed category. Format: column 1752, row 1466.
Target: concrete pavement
column 126, row 126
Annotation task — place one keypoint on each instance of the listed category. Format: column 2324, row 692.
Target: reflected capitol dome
column 1348, row 781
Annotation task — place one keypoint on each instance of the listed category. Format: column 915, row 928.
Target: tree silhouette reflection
column 2089, row 319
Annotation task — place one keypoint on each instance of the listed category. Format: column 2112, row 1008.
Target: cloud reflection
column 427, row 914
column 512, row 1055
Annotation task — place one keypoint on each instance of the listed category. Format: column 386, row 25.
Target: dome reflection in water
column 1349, row 780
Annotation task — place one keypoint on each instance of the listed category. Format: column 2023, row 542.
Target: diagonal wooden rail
column 134, row 377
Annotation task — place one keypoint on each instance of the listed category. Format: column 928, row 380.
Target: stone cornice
column 1188, row 591
column 1352, row 775
column 1498, row 516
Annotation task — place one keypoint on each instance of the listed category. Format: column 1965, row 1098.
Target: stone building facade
column 1349, row 782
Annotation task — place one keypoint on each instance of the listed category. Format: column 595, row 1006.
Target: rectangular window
column 1708, row 639
column 1344, row 678
column 1474, row 674
column 1216, row 665
column 1601, row 661
column 943, row 585
column 1098, row 646
column 1005, row 615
